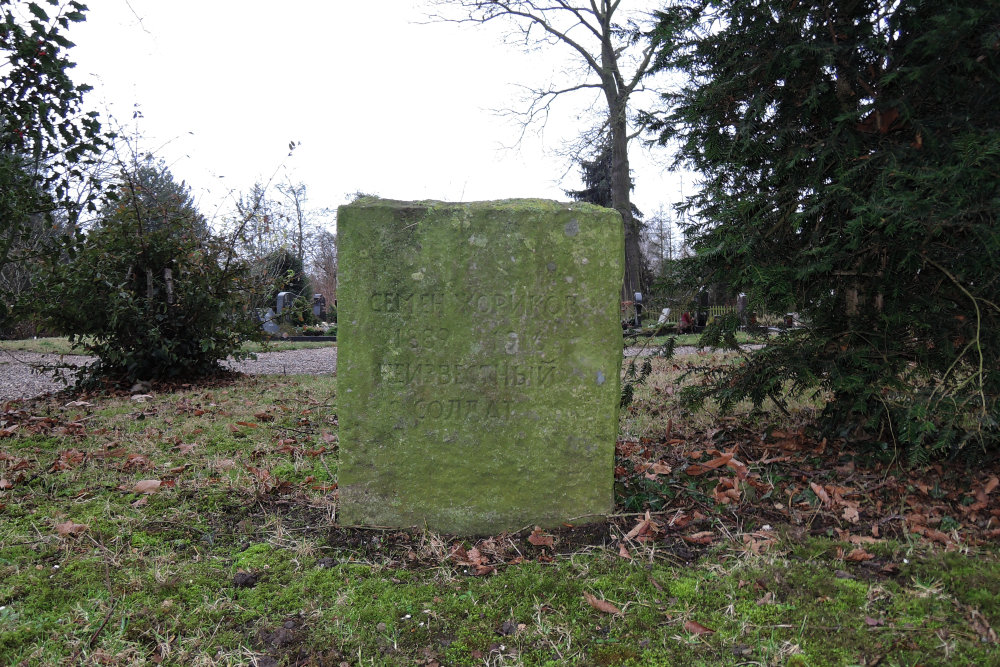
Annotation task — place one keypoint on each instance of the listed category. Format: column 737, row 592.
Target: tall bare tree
column 295, row 197
column 615, row 57
column 660, row 240
column 322, row 265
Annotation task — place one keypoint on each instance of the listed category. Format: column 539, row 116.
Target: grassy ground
column 196, row 527
column 691, row 339
column 61, row 345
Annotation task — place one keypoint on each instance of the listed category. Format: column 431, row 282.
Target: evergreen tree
column 851, row 162
column 597, row 174
column 157, row 200
column 597, row 177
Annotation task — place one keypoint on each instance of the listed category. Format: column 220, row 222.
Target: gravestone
column 741, row 309
column 269, row 325
column 319, row 306
column 285, row 300
column 478, row 363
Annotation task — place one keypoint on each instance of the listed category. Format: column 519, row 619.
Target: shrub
column 149, row 290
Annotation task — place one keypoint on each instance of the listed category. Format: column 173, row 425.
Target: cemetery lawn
column 686, row 340
column 195, row 526
column 61, row 345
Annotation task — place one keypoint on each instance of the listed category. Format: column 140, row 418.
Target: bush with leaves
column 149, row 290
column 851, row 161
column 48, row 142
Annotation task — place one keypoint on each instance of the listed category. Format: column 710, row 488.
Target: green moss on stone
column 480, row 350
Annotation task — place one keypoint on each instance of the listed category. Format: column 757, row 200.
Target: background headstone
column 319, row 306
column 284, row 301
column 478, row 364
column 270, row 325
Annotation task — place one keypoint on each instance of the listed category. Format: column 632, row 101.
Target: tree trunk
column 616, row 94
column 621, row 186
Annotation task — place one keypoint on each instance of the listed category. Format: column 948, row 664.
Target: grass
column 61, row 345
column 234, row 557
column 656, row 405
column 685, row 340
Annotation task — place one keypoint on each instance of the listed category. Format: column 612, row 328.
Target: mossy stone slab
column 478, row 364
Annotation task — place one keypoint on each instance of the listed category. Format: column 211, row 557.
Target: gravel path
column 20, row 379
column 314, row 361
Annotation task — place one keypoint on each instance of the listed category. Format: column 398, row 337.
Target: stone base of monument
column 479, row 363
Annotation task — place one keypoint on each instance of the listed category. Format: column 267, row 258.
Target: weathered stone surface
column 479, row 357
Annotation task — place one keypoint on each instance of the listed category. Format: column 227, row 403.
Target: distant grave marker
column 478, row 364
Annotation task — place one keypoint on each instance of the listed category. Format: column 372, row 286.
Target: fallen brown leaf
column 703, row 537
column 640, row 528
column 136, row 461
column 739, row 468
column 719, row 461
column 661, row 468
column 820, row 493
column 696, row 628
column 147, row 486
column 539, row 538
column 991, row 485
column 68, row 528
column 726, row 491
column 858, row 555
column 601, row 605
column 937, row 536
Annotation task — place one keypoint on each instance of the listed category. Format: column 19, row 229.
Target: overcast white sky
column 380, row 102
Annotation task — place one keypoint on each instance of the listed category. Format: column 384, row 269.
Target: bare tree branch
column 586, row 28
